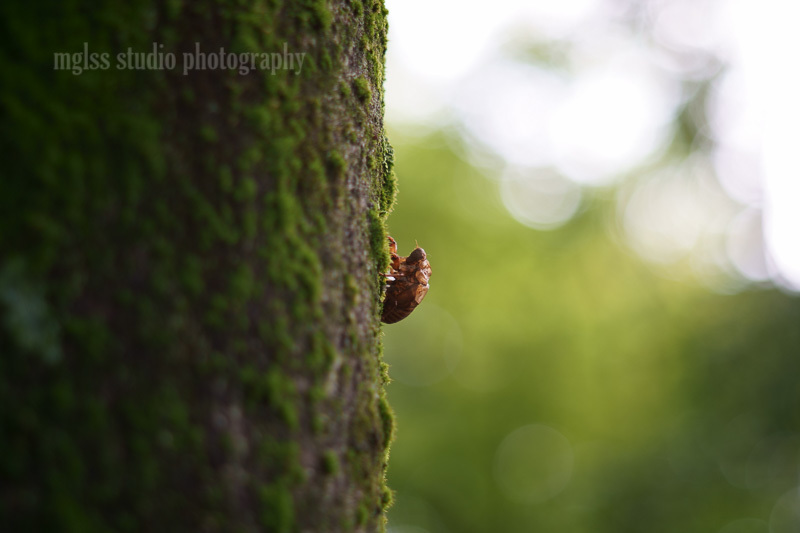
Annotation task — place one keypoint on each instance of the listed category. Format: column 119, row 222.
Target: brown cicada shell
column 406, row 283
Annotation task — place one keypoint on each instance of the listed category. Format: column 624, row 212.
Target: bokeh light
column 533, row 464
column 593, row 88
column 785, row 517
column 539, row 198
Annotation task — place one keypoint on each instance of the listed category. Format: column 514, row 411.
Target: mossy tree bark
column 189, row 277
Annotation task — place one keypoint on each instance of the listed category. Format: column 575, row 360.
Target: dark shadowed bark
column 189, row 288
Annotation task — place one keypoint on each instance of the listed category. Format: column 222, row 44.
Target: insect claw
column 392, row 245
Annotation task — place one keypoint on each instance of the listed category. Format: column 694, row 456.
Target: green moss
column 351, row 290
column 315, row 13
column 336, row 164
column 288, row 413
column 277, row 508
column 284, row 455
column 350, row 134
column 278, row 389
column 384, row 371
column 316, row 394
column 319, row 357
column 388, row 184
column 387, row 498
column 173, row 8
column 387, row 421
column 357, row 7
column 249, row 223
column 318, row 422
column 378, row 242
column 242, row 284
column 362, row 90
column 247, row 189
column 330, row 463
column 362, row 514
column 208, row 133
column 325, row 61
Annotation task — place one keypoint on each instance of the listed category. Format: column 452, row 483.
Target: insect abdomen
column 394, row 313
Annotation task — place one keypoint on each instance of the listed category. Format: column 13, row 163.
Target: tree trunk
column 189, row 276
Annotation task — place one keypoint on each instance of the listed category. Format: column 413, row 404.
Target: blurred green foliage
column 552, row 381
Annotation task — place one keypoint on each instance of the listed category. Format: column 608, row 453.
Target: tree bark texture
column 189, row 270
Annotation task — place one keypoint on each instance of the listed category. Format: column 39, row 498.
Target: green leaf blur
column 552, row 381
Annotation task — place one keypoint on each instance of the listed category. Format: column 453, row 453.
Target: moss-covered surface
column 189, row 284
